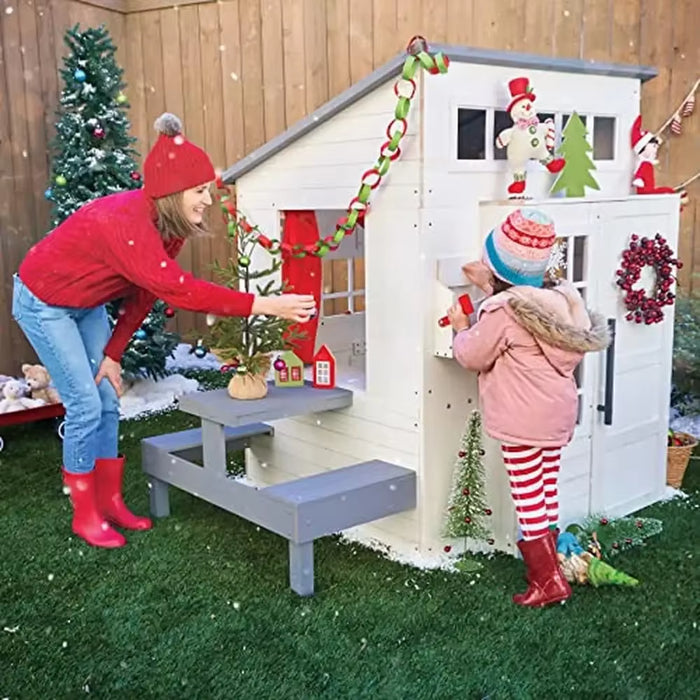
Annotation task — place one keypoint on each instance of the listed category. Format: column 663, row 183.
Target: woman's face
column 195, row 202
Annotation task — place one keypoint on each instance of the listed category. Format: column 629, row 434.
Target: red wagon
column 54, row 411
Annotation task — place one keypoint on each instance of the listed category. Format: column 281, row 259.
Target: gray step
column 326, row 503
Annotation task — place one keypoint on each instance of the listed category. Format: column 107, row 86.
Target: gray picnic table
column 300, row 510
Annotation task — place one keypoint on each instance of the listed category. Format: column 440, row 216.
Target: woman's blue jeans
column 70, row 344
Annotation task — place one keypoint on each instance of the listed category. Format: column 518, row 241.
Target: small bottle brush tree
column 246, row 343
column 575, row 176
column 467, row 510
column 94, row 157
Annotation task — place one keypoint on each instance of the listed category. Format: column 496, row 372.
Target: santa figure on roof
column 646, row 147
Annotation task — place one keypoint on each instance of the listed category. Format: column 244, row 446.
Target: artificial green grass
column 199, row 607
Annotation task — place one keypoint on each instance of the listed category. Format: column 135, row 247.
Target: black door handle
column 607, row 408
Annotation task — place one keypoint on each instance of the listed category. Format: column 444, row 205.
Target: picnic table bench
column 301, row 510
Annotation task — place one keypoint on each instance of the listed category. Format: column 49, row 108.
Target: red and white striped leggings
column 533, row 473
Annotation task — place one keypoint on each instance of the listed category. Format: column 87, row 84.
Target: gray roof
column 461, row 54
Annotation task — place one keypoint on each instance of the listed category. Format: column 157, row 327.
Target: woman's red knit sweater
column 111, row 249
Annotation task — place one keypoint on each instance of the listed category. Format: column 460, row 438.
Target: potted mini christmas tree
column 245, row 344
column 94, row 157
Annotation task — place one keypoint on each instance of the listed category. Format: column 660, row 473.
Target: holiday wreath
column 656, row 253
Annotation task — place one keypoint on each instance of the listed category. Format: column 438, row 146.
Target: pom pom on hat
column 174, row 164
column 168, row 124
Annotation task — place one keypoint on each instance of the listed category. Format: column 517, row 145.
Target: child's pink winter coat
column 525, row 346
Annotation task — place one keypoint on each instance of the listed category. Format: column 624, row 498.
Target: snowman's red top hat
column 520, row 90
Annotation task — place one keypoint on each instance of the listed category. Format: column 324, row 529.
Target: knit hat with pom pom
column 174, row 164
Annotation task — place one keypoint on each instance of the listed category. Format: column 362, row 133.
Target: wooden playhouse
column 430, row 215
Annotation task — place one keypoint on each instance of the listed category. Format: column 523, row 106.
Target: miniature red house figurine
column 324, row 368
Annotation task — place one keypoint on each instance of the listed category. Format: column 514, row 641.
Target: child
column 529, row 338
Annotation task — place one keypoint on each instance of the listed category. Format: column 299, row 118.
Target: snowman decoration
column 527, row 139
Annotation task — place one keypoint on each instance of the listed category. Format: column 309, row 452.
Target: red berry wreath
column 656, row 253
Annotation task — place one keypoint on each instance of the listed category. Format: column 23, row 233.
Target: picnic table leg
column 301, row 567
column 159, row 499
column 213, row 447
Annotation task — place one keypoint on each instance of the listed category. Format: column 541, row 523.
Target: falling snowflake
column 236, row 605
column 9, row 10
column 234, row 76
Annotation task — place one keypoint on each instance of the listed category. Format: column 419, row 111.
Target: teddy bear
column 14, row 399
column 39, row 380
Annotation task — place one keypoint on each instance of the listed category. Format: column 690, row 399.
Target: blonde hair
column 172, row 222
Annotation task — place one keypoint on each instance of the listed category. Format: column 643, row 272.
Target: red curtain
column 303, row 275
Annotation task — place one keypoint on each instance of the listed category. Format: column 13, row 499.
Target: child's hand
column 458, row 318
column 479, row 275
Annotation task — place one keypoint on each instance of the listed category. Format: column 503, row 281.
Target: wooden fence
column 241, row 71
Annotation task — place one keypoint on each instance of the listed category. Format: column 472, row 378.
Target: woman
column 120, row 247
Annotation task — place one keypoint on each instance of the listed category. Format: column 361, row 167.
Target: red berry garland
column 656, row 253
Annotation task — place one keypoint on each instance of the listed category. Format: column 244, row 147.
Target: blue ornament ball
column 140, row 334
column 80, row 75
column 200, row 351
column 48, row 193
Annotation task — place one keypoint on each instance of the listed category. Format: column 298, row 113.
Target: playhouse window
column 471, row 134
column 343, row 286
column 323, row 372
column 603, row 138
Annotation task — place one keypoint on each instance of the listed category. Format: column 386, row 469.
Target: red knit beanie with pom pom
column 174, row 164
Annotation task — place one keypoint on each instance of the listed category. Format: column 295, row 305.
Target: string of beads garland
column 656, row 253
column 405, row 90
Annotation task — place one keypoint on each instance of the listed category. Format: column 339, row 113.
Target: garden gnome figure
column 527, row 139
column 646, row 147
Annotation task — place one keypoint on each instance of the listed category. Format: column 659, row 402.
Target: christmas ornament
column 200, row 352
column 79, row 75
column 575, row 147
column 48, row 193
column 99, row 132
column 244, row 261
column 60, row 180
column 241, row 369
column 141, row 334
column 169, row 312
column 279, row 364
column 646, row 146
column 655, row 253
column 135, row 176
column 121, row 98
column 527, row 139
column 676, row 124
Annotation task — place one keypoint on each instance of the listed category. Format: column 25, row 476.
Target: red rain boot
column 554, row 166
column 109, row 473
column 554, row 534
column 547, row 583
column 517, row 187
column 88, row 522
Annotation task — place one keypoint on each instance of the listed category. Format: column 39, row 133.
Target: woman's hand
column 112, row 372
column 479, row 275
column 293, row 307
column 458, row 319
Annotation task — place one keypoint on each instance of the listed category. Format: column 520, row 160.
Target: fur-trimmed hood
column 557, row 318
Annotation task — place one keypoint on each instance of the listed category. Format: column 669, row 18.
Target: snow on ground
column 148, row 396
column 687, row 424
column 183, row 360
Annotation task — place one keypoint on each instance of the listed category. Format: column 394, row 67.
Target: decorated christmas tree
column 94, row 157
column 575, row 176
column 244, row 344
column 467, row 511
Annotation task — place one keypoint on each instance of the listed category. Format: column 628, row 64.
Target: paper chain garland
column 405, row 90
column 656, row 253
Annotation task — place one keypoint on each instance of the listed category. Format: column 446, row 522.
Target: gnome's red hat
column 520, row 90
column 174, row 164
column 640, row 137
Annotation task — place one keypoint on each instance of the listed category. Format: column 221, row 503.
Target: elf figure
column 646, row 147
column 527, row 139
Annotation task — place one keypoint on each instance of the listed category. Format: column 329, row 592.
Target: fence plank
column 294, row 64
column 273, row 67
column 316, row 59
column 338, row 46
column 361, row 49
column 251, row 64
column 231, row 80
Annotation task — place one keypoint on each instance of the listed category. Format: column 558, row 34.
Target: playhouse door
column 633, row 383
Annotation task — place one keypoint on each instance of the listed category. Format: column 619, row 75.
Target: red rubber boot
column 516, row 187
column 88, row 522
column 554, row 166
column 547, row 584
column 109, row 474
